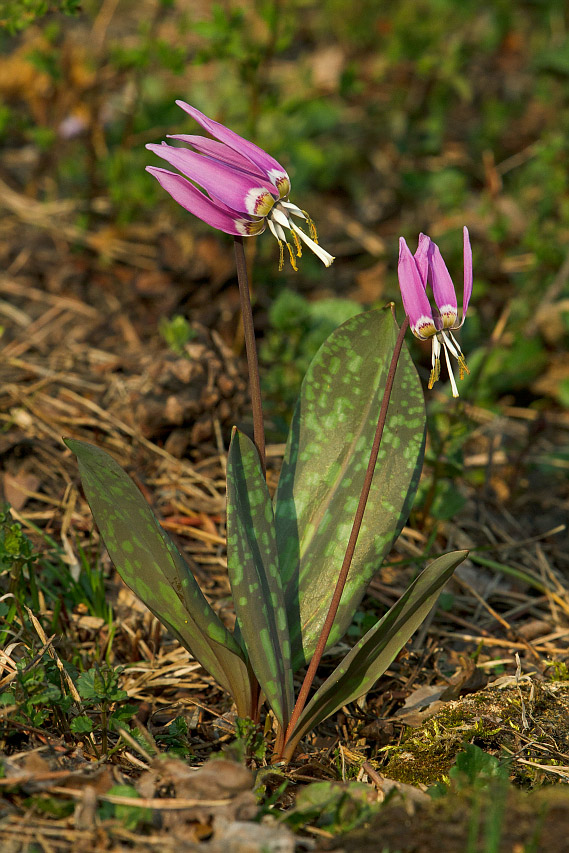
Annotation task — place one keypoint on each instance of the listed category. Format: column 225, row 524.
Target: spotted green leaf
column 371, row 656
column 325, row 461
column 151, row 565
column 253, row 565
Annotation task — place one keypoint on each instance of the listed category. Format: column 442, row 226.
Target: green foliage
column 104, row 702
column 16, row 550
column 177, row 332
column 131, row 817
column 249, row 743
column 476, row 767
column 559, row 671
column 371, row 656
column 283, row 563
column 25, row 572
column 253, row 565
column 323, row 471
column 174, row 738
column 333, row 806
column 41, row 696
column 39, row 693
column 297, row 329
column 17, row 15
column 100, row 685
column 17, row 563
column 151, row 564
column 484, row 781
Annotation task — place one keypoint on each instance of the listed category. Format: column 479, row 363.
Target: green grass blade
column 253, row 565
column 371, row 656
column 324, row 466
column 151, row 565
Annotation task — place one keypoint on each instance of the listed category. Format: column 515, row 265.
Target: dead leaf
column 218, row 780
column 248, row 837
column 421, row 704
column 17, row 487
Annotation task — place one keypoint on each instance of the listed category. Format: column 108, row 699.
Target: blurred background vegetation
column 391, row 118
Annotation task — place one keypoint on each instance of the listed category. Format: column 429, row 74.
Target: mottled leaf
column 371, row 656
column 326, row 457
column 151, row 565
column 253, row 566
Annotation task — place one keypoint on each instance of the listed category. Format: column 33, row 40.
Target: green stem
column 251, row 350
column 334, row 604
column 104, row 725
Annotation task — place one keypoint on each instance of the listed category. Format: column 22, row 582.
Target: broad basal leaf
column 152, row 566
column 326, row 457
column 253, row 566
column 371, row 656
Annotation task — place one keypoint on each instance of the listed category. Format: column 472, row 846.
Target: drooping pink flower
column 427, row 266
column 245, row 188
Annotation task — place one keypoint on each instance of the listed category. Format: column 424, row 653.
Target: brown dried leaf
column 17, row 487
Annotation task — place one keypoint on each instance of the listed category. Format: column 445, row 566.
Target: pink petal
column 443, row 288
column 219, row 151
column 268, row 165
column 241, row 192
column 421, row 257
column 467, row 273
column 415, row 301
column 190, row 198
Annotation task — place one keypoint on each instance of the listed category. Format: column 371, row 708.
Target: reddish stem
column 256, row 403
column 334, row 604
column 251, row 350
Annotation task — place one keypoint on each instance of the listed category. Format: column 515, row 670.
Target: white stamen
column 278, row 216
column 455, row 342
column 449, row 367
column 436, row 351
column 276, row 230
column 326, row 258
column 296, row 211
column 451, row 344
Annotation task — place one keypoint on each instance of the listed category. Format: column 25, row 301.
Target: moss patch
column 531, row 721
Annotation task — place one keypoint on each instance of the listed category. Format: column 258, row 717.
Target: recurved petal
column 413, row 293
column 268, row 165
column 443, row 288
column 467, row 273
column 241, row 192
column 190, row 198
column 221, row 152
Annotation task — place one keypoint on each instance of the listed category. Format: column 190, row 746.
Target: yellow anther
column 435, row 373
column 292, row 258
column 462, row 367
column 311, row 228
column 281, row 255
column 297, row 244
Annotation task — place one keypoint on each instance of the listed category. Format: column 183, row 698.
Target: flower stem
column 251, row 350
column 334, row 604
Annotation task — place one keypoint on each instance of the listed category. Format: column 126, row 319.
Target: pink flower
column 245, row 188
column 415, row 271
